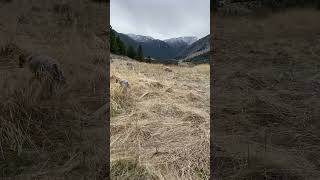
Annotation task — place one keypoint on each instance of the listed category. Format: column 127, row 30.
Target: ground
column 266, row 96
column 162, row 124
column 63, row 136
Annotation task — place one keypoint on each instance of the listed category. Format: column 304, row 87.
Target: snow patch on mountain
column 186, row 39
column 140, row 38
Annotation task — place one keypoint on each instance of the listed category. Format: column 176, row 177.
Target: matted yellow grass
column 162, row 123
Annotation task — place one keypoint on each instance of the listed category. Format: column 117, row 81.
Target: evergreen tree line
column 117, row 46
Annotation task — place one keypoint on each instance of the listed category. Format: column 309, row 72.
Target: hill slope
column 266, row 96
column 163, row 123
column 57, row 137
column 197, row 48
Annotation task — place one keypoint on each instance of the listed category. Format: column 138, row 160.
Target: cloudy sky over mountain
column 161, row 19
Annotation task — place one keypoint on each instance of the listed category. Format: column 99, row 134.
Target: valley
column 174, row 49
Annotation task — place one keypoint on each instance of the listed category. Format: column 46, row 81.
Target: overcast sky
column 161, row 19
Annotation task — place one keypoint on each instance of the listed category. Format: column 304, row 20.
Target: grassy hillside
column 61, row 137
column 266, row 100
column 160, row 129
column 203, row 58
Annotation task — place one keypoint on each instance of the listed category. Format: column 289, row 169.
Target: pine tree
column 121, row 46
column 131, row 52
column 113, row 43
column 140, row 53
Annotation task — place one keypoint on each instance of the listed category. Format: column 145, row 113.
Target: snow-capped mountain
column 186, row 39
column 197, row 48
column 174, row 48
column 152, row 47
column 140, row 38
column 176, row 43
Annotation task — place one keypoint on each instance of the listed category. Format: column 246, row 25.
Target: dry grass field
column 62, row 137
column 160, row 127
column 266, row 96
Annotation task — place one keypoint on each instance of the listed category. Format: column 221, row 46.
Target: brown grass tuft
column 163, row 132
column 61, row 135
column 265, row 122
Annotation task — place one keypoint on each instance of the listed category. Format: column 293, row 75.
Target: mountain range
column 199, row 47
column 173, row 48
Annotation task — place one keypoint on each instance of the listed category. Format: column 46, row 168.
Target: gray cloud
column 161, row 19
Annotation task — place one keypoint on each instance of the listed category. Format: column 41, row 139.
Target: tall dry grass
column 162, row 130
column 265, row 72
column 57, row 136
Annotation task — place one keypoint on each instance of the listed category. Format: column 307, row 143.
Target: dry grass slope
column 161, row 126
column 266, row 118
column 60, row 137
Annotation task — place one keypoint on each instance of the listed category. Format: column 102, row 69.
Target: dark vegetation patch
column 129, row 169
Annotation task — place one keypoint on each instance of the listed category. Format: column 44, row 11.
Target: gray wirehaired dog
column 45, row 68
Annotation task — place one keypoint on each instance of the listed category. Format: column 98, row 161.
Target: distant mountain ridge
column 140, row 38
column 186, row 39
column 173, row 48
column 197, row 48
